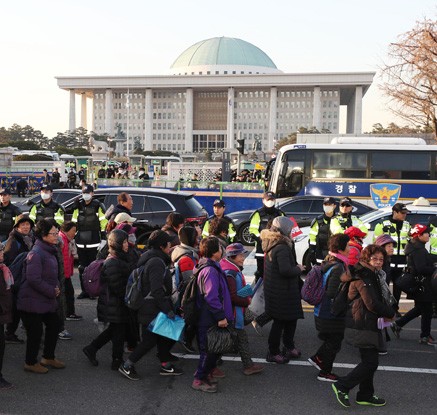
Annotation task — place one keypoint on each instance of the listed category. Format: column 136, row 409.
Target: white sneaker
column 65, row 335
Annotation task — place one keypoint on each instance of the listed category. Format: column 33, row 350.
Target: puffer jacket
column 5, row 302
column 421, row 263
column 156, row 285
column 325, row 321
column 37, row 291
column 214, row 300
column 281, row 277
column 115, row 272
column 367, row 305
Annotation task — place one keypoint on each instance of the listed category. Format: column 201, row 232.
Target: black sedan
column 303, row 208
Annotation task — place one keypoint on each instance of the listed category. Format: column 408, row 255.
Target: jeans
column 421, row 308
column 148, row 342
column 207, row 361
column 284, row 329
column 33, row 322
column 361, row 375
column 329, row 349
column 115, row 332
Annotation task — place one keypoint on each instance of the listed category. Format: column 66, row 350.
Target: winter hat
column 235, row 249
column 283, row 225
column 23, row 218
column 188, row 235
column 129, row 229
column 116, row 239
column 158, row 238
column 419, row 230
column 354, row 232
column 382, row 240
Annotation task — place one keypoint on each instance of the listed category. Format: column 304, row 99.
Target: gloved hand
column 255, row 238
column 103, row 235
column 171, row 315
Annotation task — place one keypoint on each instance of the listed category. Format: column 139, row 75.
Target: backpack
column 178, row 286
column 134, row 298
column 91, row 278
column 313, row 287
column 18, row 269
column 189, row 307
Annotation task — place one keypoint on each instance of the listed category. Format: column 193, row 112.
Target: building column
column 230, row 118
column 83, row 113
column 93, row 121
column 189, row 104
column 317, row 106
column 148, row 120
column 109, row 121
column 272, row 117
column 350, row 127
column 358, row 110
column 72, row 121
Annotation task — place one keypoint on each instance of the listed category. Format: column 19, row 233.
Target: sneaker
column 212, row 380
column 257, row 327
column 342, row 397
column 291, row 353
column 203, row 386
column 73, row 317
column 396, row 330
column 327, row 377
column 170, row 370
column 316, row 362
column 83, row 295
column 4, row 384
column 13, row 339
column 373, row 401
column 428, row 340
column 36, row 368
column 53, row 363
column 187, row 346
column 65, row 335
column 252, row 370
column 116, row 363
column 276, row 358
column 90, row 353
column 129, row 372
column 217, row 373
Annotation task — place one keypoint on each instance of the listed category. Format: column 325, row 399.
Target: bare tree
column 410, row 79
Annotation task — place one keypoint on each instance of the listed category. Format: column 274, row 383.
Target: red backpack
column 91, row 278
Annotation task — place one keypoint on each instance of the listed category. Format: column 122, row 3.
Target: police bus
column 377, row 171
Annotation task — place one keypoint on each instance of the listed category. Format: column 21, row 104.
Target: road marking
column 304, row 363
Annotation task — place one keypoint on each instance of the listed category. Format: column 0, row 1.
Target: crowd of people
column 355, row 278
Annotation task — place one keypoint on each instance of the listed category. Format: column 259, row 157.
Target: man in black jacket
column 8, row 213
column 89, row 214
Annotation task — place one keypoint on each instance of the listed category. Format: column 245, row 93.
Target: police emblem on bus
column 385, row 194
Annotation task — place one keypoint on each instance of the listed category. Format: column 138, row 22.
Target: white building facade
column 217, row 88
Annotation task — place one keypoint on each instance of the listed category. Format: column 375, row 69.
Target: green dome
column 221, row 52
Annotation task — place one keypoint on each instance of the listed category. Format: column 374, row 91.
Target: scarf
column 7, row 275
column 339, row 256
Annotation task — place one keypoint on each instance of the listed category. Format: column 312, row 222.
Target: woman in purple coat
column 215, row 306
column 37, row 298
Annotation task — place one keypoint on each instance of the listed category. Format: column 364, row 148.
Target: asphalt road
column 407, row 379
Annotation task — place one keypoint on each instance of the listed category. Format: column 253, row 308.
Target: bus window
column 413, row 166
column 290, row 180
column 344, row 164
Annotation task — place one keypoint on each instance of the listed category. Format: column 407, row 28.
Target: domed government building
column 217, row 88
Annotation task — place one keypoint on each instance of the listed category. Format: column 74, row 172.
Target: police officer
column 89, row 214
column 8, row 213
column 47, row 207
column 344, row 219
column 258, row 221
column 320, row 232
column 398, row 228
column 219, row 207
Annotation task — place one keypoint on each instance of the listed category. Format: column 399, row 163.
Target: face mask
column 132, row 238
column 328, row 208
column 45, row 196
column 87, row 197
column 269, row 203
column 141, row 171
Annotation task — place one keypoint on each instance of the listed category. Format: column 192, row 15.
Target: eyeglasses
column 54, row 233
column 375, row 259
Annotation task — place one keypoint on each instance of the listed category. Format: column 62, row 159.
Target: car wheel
column 244, row 234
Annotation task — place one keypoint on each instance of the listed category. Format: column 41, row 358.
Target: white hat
column 421, row 201
column 124, row 217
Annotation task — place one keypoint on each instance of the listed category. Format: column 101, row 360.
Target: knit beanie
column 283, row 225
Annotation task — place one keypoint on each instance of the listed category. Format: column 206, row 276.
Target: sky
column 46, row 38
